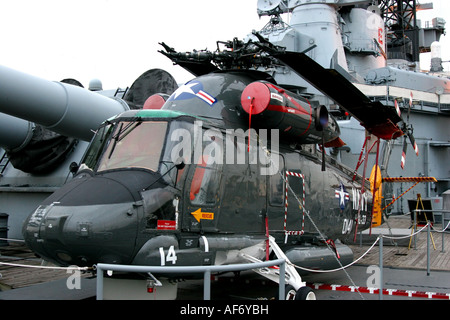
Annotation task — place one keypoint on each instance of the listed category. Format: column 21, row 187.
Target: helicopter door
column 294, row 210
column 243, row 204
column 202, row 188
column 276, row 192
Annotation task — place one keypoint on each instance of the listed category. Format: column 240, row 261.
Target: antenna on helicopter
column 321, row 114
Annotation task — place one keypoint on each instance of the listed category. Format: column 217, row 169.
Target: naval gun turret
column 60, row 107
column 31, row 107
column 46, row 125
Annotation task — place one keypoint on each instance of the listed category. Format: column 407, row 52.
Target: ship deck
column 401, row 252
column 29, row 271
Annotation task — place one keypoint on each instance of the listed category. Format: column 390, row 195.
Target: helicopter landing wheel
column 304, row 293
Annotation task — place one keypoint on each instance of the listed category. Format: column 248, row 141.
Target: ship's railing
column 206, row 270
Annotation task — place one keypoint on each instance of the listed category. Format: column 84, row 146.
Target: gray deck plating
column 404, row 269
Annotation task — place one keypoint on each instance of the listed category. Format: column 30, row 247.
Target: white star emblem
column 342, row 195
column 185, row 88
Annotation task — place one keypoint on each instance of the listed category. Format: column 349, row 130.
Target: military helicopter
column 229, row 168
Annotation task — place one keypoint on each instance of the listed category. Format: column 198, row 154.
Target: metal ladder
column 4, row 161
column 121, row 91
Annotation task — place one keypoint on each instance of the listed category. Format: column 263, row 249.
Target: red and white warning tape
column 298, row 175
column 389, row 292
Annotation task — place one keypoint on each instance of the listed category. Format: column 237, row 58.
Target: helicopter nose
column 85, row 222
column 80, row 235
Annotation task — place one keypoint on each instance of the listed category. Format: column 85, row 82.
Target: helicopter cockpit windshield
column 134, row 143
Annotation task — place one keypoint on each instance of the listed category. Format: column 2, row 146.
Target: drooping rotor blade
column 405, row 147
column 408, row 130
column 380, row 120
column 413, row 143
column 397, row 108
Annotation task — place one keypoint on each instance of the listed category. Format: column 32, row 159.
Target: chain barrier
column 370, row 248
column 45, row 267
column 342, row 267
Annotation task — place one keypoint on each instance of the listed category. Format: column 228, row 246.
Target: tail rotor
column 408, row 130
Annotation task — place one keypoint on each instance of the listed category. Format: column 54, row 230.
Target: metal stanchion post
column 207, row 285
column 282, row 281
column 428, row 247
column 443, row 232
column 415, row 228
column 99, row 284
column 360, row 239
column 381, row 267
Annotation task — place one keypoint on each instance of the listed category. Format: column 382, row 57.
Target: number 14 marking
column 171, row 255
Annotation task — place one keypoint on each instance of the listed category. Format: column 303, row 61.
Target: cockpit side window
column 159, row 209
column 95, row 148
column 206, row 178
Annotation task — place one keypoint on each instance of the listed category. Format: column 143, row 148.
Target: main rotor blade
column 413, row 143
column 185, row 60
column 378, row 119
column 397, row 108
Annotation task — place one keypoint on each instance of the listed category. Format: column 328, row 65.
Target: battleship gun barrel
column 63, row 108
column 14, row 132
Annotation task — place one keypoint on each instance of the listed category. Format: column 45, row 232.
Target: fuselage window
column 206, row 179
column 277, row 185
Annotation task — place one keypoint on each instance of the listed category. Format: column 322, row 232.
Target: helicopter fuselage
column 194, row 183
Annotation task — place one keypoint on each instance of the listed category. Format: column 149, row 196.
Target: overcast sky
column 116, row 41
